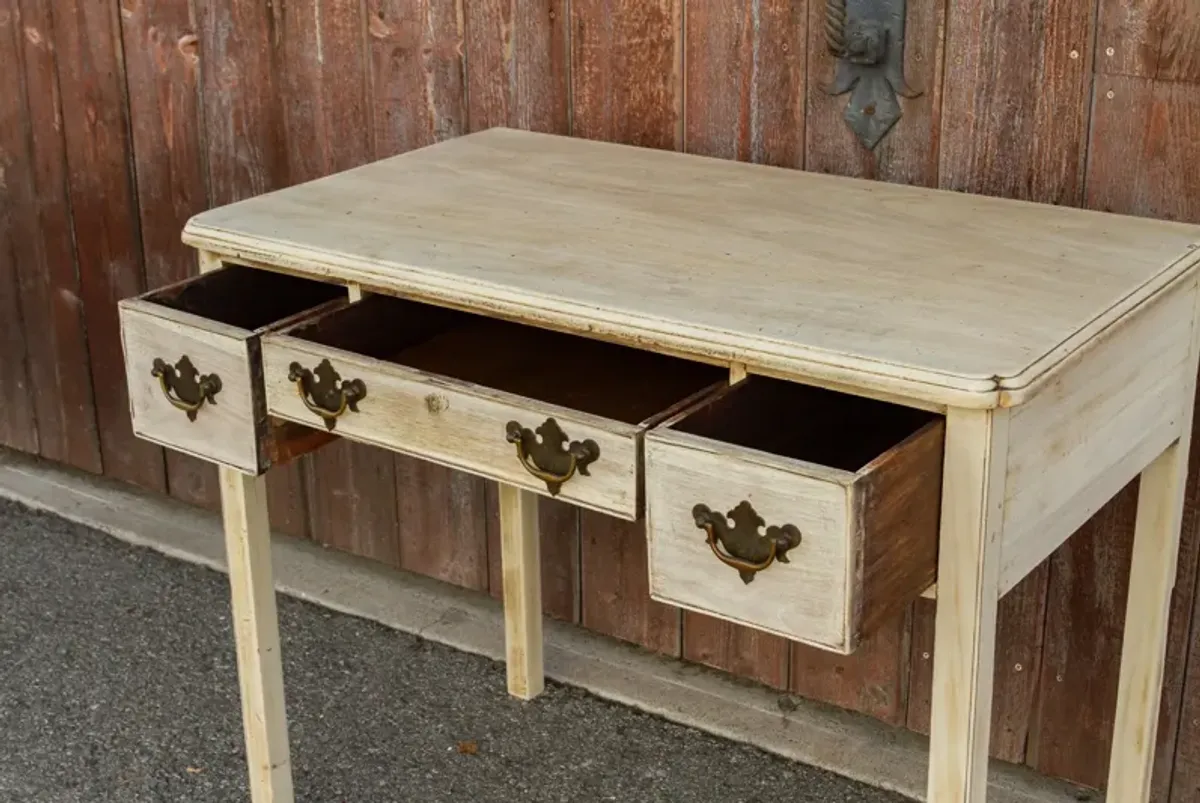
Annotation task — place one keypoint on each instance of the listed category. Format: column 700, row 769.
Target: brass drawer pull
column 546, row 459
column 741, row 546
column 185, row 387
column 325, row 393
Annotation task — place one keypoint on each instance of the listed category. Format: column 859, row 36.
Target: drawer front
column 805, row 596
column 457, row 424
column 174, row 360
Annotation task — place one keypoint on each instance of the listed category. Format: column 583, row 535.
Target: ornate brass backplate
column 185, row 387
column 546, row 458
column 742, row 546
column 325, row 393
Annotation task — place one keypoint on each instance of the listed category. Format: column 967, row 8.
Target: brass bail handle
column 547, row 458
column 325, row 393
column 741, row 546
column 185, row 387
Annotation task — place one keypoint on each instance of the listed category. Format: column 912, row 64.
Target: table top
column 938, row 296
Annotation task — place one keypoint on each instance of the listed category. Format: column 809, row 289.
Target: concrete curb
column 844, row 743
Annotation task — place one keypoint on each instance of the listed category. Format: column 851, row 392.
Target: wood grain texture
column 519, row 546
column 745, row 80
column 417, row 72
column 1094, row 427
column 1157, row 39
column 558, row 525
column 517, row 64
column 968, row 593
column 1020, row 625
column 104, row 213
column 615, row 586
column 873, row 681
column 1014, row 113
column 327, row 119
column 626, row 71
column 246, row 155
column 49, row 279
column 442, row 522
column 1142, row 157
column 909, row 152
column 162, row 71
column 831, row 315
column 256, row 633
column 744, row 651
column 18, row 420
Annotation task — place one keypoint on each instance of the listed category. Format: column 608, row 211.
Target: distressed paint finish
column 518, row 53
column 162, row 64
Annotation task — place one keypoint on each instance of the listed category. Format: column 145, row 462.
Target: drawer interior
column 806, row 423
column 247, row 298
column 604, row 379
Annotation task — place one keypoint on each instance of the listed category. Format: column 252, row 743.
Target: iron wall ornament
column 742, row 546
column 867, row 38
column 547, row 459
column 185, row 387
column 325, row 393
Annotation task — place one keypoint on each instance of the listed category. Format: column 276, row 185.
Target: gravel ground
column 118, row 683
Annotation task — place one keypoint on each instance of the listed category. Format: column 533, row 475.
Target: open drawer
column 192, row 359
column 555, row 413
column 795, row 510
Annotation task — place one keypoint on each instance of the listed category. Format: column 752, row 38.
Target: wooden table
column 822, row 394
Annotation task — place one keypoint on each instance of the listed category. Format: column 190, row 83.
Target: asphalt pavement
column 118, row 682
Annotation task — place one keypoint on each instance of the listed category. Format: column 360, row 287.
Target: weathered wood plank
column 1019, row 636
column 516, row 61
column 246, row 155
column 733, row 648
column 162, row 69
column 91, row 77
column 1014, row 111
column 1157, row 39
column 1144, row 159
column 442, row 519
column 909, row 152
column 326, row 114
column 18, row 421
column 49, row 280
column 626, row 60
column 558, row 525
column 616, row 585
column 745, row 69
column 745, row 65
column 417, row 69
column 873, row 680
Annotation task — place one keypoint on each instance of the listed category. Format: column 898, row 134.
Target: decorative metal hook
column 867, row 38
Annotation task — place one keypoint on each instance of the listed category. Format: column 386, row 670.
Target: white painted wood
column 808, row 598
column 1093, row 427
column 521, row 563
column 743, row 262
column 968, row 596
column 224, row 432
column 457, row 424
column 256, row 630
